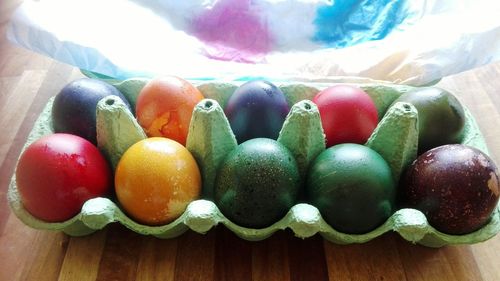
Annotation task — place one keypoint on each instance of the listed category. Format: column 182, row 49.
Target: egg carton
column 210, row 139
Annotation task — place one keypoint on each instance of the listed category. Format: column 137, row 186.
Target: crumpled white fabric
column 124, row 39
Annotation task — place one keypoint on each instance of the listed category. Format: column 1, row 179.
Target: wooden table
column 27, row 80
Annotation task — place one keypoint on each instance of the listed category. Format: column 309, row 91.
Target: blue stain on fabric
column 250, row 78
column 349, row 22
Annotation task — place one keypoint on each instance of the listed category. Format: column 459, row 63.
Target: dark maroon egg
column 455, row 186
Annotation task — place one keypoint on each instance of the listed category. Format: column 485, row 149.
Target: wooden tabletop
column 27, row 80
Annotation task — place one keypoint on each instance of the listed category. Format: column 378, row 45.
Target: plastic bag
column 408, row 42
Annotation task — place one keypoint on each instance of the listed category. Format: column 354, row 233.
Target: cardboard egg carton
column 210, row 139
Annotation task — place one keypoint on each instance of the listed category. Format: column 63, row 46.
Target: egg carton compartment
column 210, row 139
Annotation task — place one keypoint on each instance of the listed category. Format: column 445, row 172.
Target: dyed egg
column 352, row 187
column 348, row 114
column 164, row 107
column 441, row 117
column 156, row 179
column 74, row 107
column 455, row 186
column 257, row 109
column 57, row 173
column 257, row 183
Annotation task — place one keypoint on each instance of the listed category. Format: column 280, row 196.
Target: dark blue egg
column 257, row 109
column 74, row 108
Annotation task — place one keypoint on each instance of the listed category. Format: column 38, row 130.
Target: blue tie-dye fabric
column 349, row 22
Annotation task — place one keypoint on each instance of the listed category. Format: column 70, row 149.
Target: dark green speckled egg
column 352, row 187
column 257, row 183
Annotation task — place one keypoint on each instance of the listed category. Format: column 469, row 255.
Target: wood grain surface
column 27, row 80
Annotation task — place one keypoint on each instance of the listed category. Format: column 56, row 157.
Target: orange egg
column 165, row 105
column 156, row 179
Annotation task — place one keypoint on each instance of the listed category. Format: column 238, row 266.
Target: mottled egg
column 455, row 186
column 257, row 183
column 165, row 105
column 257, row 109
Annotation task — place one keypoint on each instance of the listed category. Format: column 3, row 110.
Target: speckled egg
column 455, row 186
column 257, row 183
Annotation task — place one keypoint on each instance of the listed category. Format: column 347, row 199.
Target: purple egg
column 257, row 109
column 74, row 107
column 455, row 186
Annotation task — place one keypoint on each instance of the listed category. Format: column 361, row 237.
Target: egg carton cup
column 210, row 138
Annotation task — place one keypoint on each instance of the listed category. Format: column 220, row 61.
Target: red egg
column 348, row 114
column 56, row 174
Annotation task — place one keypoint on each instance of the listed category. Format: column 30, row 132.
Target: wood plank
column 120, row 256
column 27, row 253
column 461, row 260
column 233, row 256
column 486, row 256
column 448, row 263
column 195, row 256
column 375, row 260
column 19, row 59
column 307, row 258
column 82, row 257
column 157, row 259
column 17, row 105
column 487, row 77
column 48, row 255
column 336, row 260
column 270, row 258
column 7, row 86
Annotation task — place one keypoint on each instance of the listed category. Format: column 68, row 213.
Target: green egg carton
column 210, row 139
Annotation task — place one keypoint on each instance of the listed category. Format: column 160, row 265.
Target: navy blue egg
column 257, row 109
column 74, row 107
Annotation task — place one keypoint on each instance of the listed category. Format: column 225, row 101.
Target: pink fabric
column 233, row 31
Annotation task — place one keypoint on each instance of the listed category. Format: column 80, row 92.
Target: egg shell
column 455, row 186
column 257, row 183
column 441, row 116
column 74, row 108
column 348, row 114
column 352, row 186
column 303, row 219
column 256, row 109
column 164, row 107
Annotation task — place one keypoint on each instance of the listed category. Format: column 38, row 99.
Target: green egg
column 352, row 187
column 441, row 117
column 257, row 183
